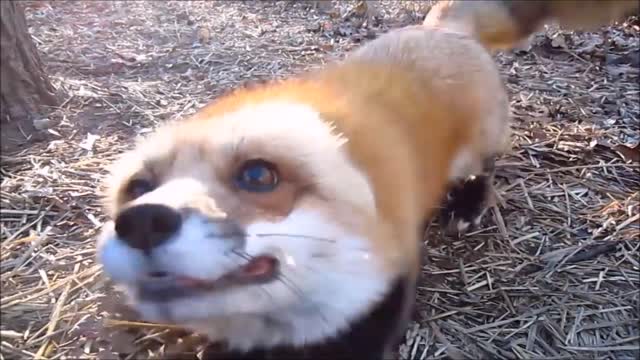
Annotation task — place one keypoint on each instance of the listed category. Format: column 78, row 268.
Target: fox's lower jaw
column 375, row 335
column 296, row 282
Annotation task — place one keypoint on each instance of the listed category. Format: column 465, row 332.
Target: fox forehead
column 291, row 134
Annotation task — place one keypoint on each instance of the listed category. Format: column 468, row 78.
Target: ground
column 552, row 273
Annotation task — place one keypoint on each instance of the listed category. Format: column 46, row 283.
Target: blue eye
column 257, row 176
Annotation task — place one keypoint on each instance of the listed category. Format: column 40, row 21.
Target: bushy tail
column 504, row 24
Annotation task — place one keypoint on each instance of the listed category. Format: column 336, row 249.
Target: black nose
column 147, row 226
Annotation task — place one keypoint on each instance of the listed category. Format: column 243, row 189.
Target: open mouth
column 162, row 286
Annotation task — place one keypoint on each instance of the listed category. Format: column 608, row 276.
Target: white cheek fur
column 121, row 262
column 329, row 277
column 193, row 253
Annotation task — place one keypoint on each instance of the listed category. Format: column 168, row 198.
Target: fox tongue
column 260, row 266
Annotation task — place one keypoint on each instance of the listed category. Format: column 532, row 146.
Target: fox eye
column 138, row 187
column 257, row 176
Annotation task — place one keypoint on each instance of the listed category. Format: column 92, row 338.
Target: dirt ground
column 553, row 273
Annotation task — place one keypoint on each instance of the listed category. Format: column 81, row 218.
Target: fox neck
column 376, row 335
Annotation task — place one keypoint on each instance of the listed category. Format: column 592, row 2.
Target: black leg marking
column 467, row 201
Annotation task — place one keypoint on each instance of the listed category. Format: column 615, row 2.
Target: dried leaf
column 188, row 346
column 107, row 355
column 327, row 26
column 631, row 58
column 84, row 92
column 204, row 35
column 620, row 41
column 538, row 134
column 89, row 328
column 43, row 123
column 327, row 47
column 559, row 41
column 345, row 30
column 123, row 342
column 114, row 302
column 621, row 70
column 131, row 58
column 323, row 6
column 314, row 27
column 629, row 154
column 600, row 142
column 334, row 14
column 590, row 45
column 88, row 143
column 361, row 9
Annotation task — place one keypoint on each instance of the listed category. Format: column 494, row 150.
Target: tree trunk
column 25, row 88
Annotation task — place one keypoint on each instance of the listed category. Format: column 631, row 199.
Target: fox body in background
column 502, row 24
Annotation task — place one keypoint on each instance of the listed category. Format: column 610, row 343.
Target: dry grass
column 553, row 273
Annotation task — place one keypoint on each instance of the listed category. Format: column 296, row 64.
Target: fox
column 506, row 24
column 283, row 219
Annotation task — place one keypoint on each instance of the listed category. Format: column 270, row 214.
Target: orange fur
column 403, row 125
column 503, row 24
column 390, row 128
column 401, row 131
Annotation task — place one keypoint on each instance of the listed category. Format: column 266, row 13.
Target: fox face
column 254, row 227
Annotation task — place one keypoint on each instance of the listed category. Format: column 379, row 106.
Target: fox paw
column 467, row 201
